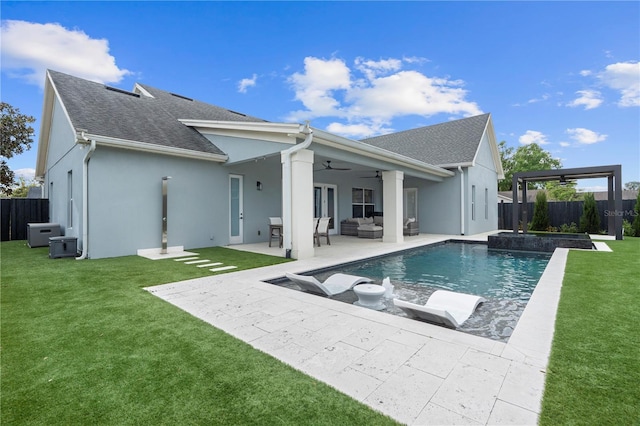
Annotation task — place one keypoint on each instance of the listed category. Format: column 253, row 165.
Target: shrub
column 627, row 228
column 569, row 229
column 636, row 220
column 590, row 219
column 540, row 221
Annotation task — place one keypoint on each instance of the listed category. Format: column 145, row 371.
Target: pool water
column 461, row 267
column 505, row 279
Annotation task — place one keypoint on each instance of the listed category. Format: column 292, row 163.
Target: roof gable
column 132, row 116
column 446, row 144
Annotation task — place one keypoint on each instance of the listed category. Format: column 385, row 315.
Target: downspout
column 286, row 186
column 461, row 200
column 85, row 195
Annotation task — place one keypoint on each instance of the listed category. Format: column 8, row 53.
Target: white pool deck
column 414, row 372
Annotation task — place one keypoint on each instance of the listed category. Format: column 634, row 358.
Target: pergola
column 612, row 173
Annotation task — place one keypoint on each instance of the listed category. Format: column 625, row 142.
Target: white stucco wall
column 125, row 205
column 485, row 178
column 64, row 156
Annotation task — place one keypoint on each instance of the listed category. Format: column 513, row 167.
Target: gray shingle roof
column 116, row 113
column 454, row 142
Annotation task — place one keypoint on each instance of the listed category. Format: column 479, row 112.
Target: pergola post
column 515, row 206
column 618, row 201
column 524, row 207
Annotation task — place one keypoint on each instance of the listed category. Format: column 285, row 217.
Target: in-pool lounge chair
column 335, row 284
column 444, row 307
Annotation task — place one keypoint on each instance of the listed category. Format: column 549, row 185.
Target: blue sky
column 565, row 75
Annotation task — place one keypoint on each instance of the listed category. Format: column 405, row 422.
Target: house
column 105, row 154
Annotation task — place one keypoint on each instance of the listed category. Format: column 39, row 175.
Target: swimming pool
column 505, row 279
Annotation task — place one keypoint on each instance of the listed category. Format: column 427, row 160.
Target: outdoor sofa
column 350, row 226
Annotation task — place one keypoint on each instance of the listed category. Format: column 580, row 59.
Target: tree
column 22, row 190
column 633, row 185
column 17, row 137
column 540, row 221
column 557, row 192
column 526, row 158
column 590, row 219
column 636, row 220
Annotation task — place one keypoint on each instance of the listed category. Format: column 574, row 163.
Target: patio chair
column 322, row 230
column 275, row 230
column 444, row 307
column 335, row 284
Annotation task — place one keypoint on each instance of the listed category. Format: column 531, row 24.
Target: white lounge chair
column 335, row 284
column 444, row 307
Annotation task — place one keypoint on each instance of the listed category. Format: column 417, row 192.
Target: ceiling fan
column 377, row 176
column 327, row 166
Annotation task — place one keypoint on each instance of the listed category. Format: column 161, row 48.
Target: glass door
column 410, row 203
column 235, row 210
column 325, row 203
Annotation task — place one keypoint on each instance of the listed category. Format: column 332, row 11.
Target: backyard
column 82, row 342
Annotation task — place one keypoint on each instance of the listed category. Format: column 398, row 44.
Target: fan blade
column 328, row 166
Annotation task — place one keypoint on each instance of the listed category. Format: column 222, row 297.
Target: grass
column 593, row 375
column 83, row 343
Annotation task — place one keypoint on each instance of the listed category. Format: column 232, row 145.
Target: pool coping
column 413, row 371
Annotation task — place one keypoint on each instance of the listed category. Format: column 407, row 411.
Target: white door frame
column 410, row 192
column 236, row 211
column 324, row 208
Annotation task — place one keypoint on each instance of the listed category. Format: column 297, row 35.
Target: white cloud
column 29, row 48
column 533, row 136
column 585, row 136
column 565, row 144
column 372, row 69
column 588, row 98
column 625, row 78
column 246, row 83
column 27, row 174
column 316, row 86
column 374, row 92
column 358, row 131
column 544, row 97
column 585, row 73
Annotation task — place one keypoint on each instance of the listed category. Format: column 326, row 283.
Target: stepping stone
column 209, row 264
column 223, row 268
column 192, row 262
column 186, row 258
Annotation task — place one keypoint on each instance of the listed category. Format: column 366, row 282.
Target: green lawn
column 594, row 370
column 83, row 343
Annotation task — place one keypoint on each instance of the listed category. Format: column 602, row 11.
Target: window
column 473, row 202
column 486, row 204
column 362, row 202
column 70, row 199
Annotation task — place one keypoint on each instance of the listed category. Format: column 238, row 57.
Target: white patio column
column 392, row 206
column 302, row 204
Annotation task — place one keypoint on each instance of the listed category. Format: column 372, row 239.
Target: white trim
column 324, row 208
column 370, row 151
column 156, row 149
column 142, row 91
column 50, row 95
column 236, row 128
column 252, row 126
column 493, row 146
column 237, row 239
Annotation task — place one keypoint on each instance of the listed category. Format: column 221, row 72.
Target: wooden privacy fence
column 15, row 213
column 565, row 212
